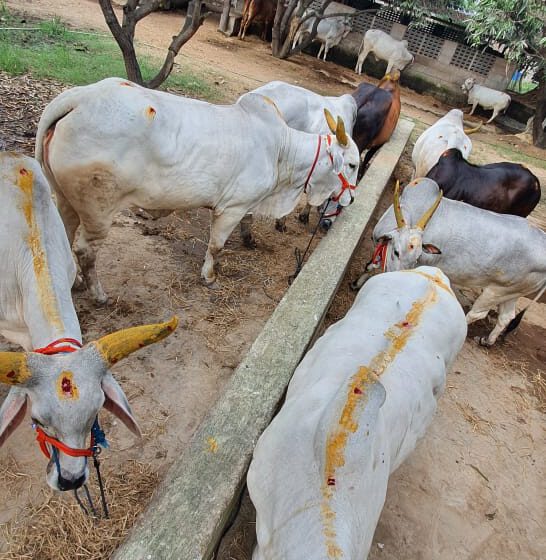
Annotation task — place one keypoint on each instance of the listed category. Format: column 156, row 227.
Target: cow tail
column 514, row 323
column 53, row 113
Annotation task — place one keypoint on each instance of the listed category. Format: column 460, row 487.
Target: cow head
column 66, row 392
column 468, row 84
column 345, row 159
column 405, row 244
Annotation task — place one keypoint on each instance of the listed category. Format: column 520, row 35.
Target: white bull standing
column 330, row 32
column 355, row 408
column 65, row 383
column 447, row 132
column 486, row 97
column 503, row 255
column 384, row 47
column 111, row 144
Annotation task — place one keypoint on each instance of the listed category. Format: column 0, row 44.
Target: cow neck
column 301, row 152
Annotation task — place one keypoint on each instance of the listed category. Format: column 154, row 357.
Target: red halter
column 42, row 438
column 344, row 183
column 380, row 256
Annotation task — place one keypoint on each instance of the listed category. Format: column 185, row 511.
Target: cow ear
column 115, row 402
column 431, row 249
column 12, row 413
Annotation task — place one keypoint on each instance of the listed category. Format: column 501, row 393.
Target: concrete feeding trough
column 186, row 519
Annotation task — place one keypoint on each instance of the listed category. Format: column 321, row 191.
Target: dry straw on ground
column 56, row 528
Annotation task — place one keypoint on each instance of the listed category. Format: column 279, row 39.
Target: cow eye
column 396, row 253
column 352, row 165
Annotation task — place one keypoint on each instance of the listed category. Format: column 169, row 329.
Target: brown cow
column 258, row 10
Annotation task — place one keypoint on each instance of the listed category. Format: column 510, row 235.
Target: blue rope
column 98, row 435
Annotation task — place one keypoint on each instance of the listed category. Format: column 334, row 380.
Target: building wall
column 443, row 61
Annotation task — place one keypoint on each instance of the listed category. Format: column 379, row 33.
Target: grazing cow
column 111, row 144
column 356, row 407
column 65, row 383
column 384, row 47
column 503, row 255
column 258, row 10
column 506, row 188
column 370, row 113
column 447, row 132
column 330, row 32
column 486, row 97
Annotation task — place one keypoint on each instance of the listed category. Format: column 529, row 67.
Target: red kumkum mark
column 150, row 112
column 23, row 171
column 66, row 386
column 126, row 84
column 10, row 374
column 331, row 481
column 357, row 391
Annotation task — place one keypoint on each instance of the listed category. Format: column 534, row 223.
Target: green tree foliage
column 519, row 26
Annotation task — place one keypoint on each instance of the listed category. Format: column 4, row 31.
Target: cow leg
column 220, row 229
column 86, row 247
column 361, row 58
column 326, row 49
column 389, row 67
column 507, row 311
column 280, row 224
column 70, row 217
column 246, row 232
column 473, row 109
column 320, row 50
column 304, row 214
column 495, row 113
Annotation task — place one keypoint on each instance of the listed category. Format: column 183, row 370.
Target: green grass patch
column 517, row 156
column 48, row 49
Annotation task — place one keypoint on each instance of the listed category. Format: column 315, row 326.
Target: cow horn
column 422, row 223
column 400, row 222
column 14, row 368
column 472, row 130
column 116, row 346
column 341, row 135
column 331, row 121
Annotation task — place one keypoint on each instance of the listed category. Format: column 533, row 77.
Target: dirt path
column 472, row 488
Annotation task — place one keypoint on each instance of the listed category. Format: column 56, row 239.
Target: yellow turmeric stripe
column 398, row 335
column 48, row 302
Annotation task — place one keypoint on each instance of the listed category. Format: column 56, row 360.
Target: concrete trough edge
column 187, row 516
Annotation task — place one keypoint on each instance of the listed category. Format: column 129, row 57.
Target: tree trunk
column 539, row 135
column 225, row 16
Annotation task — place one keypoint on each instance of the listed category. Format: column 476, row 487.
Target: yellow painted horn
column 14, row 368
column 332, row 125
column 472, row 130
column 400, row 222
column 422, row 223
column 116, row 346
column 341, row 135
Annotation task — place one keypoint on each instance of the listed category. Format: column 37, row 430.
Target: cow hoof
column 249, row 243
column 483, row 341
column 359, row 282
column 102, row 300
column 79, row 283
column 304, row 218
column 280, row 226
column 325, row 224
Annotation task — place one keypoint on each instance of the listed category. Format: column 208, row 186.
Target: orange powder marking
column 437, row 279
column 126, row 84
column 212, row 444
column 48, row 302
column 398, row 335
column 150, row 112
column 66, row 387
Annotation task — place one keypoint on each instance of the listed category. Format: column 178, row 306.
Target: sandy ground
column 473, row 489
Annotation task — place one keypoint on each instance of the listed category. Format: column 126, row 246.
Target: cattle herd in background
column 367, row 390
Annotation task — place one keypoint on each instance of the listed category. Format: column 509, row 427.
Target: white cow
column 504, row 256
column 447, row 132
column 384, row 47
column 111, row 144
column 486, row 97
column 303, row 109
column 65, row 383
column 355, row 408
column 330, row 32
